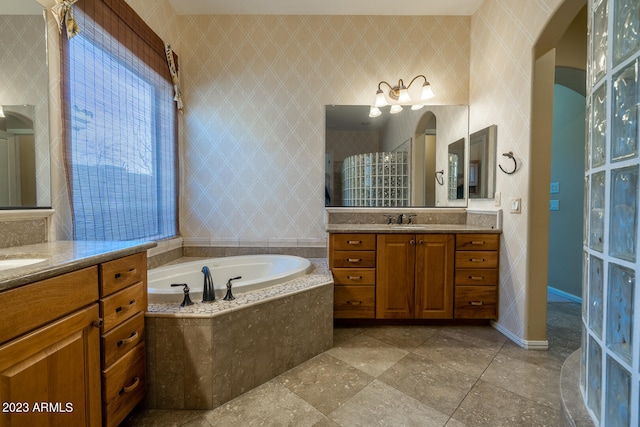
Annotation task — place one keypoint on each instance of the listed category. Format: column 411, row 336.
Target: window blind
column 120, row 127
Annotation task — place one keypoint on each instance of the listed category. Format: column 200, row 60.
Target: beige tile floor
column 406, row 376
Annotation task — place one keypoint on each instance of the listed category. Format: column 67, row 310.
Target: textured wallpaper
column 503, row 34
column 255, row 89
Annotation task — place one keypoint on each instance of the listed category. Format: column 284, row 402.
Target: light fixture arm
column 399, row 95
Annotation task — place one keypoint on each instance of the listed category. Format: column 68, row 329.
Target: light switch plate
column 554, row 205
column 555, row 187
column 516, row 206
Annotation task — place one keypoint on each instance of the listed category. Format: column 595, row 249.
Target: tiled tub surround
column 204, row 355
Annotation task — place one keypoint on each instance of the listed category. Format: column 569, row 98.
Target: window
column 120, row 121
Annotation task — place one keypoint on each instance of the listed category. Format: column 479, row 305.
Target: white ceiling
column 325, row 7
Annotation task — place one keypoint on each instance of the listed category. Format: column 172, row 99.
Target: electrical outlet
column 497, row 199
column 554, row 205
column 516, row 206
column 555, row 188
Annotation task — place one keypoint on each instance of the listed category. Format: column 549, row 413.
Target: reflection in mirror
column 17, row 156
column 456, row 170
column 482, row 163
column 25, row 78
column 389, row 160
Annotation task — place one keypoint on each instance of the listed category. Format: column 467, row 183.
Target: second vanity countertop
column 410, row 228
column 62, row 257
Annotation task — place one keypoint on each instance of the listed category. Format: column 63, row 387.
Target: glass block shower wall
column 376, row 179
column 610, row 365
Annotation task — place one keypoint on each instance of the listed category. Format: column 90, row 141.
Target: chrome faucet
column 208, row 291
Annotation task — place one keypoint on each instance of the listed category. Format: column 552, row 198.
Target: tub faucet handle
column 187, row 300
column 229, row 296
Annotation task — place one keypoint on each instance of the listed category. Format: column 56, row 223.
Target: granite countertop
column 410, row 228
column 62, row 257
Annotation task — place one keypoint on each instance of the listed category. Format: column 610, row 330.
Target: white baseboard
column 526, row 344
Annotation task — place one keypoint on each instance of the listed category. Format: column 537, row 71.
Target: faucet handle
column 390, row 218
column 411, row 216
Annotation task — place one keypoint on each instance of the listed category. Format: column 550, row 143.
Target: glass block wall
column 610, row 368
column 376, row 179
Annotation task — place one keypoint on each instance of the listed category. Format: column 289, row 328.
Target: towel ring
column 440, row 180
column 515, row 163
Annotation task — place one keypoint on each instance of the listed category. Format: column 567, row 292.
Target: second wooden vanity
column 399, row 275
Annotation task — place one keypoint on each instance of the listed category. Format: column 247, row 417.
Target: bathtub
column 257, row 272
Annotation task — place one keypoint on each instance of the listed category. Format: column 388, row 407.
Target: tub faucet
column 187, row 300
column 229, row 296
column 208, row 292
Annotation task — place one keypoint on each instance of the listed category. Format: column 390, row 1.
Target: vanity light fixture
column 399, row 95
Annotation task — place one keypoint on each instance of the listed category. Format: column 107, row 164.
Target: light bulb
column 427, row 92
column 380, row 99
column 374, row 112
column 403, row 97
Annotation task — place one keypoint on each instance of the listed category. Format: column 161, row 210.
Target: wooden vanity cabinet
column 123, row 301
column 476, row 277
column 352, row 259
column 414, row 276
column 51, row 374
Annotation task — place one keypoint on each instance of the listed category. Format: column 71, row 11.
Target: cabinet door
column 51, row 377
column 435, row 254
column 395, row 270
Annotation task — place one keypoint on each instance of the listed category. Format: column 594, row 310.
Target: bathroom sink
column 6, row 264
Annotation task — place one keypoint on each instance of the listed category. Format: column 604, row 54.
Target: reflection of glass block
column 626, row 23
column 624, row 213
column 594, row 377
column 596, row 212
column 620, row 311
column 618, row 398
column 624, row 121
column 596, row 294
column 599, row 37
column 599, row 126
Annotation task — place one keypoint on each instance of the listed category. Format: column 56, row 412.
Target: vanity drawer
column 354, row 276
column 122, row 305
column 350, row 259
column 477, row 242
column 476, row 277
column 349, row 242
column 476, row 302
column 118, row 341
column 122, row 272
column 476, row 259
column 351, row 302
column 123, row 386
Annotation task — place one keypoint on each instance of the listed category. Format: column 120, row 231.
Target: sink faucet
column 400, row 218
column 411, row 216
column 390, row 218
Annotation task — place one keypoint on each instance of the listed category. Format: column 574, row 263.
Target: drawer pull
column 477, row 242
column 354, row 259
column 354, row 242
column 476, row 277
column 476, row 259
column 132, row 337
column 122, row 309
column 119, row 275
column 354, row 302
column 354, row 277
column 131, row 387
column 476, row 302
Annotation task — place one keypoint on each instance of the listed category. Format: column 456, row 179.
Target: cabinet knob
column 421, row 242
column 412, row 242
column 98, row 323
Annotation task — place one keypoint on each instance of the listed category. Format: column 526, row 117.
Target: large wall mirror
column 392, row 159
column 25, row 176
